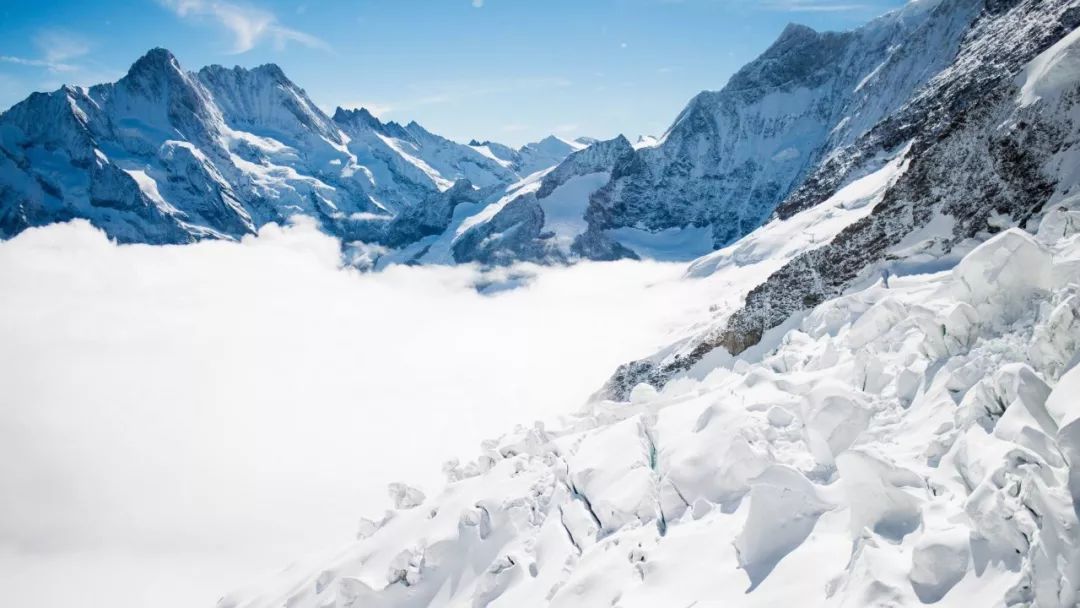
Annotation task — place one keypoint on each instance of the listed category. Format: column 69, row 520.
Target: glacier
column 898, row 445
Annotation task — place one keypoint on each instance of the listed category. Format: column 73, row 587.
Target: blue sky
column 507, row 70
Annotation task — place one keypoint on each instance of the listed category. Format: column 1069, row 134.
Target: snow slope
column 899, row 445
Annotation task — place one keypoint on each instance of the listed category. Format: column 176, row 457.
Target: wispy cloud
column 448, row 92
column 60, row 45
column 794, row 6
column 812, row 6
column 37, row 63
column 56, row 51
column 249, row 25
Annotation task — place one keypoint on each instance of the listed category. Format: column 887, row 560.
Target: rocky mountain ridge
column 980, row 156
column 170, row 156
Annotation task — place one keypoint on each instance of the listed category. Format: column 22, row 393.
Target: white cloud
column 445, row 92
column 58, row 46
column 478, row 3
column 179, row 419
column 56, row 50
column 37, row 63
column 812, row 6
column 795, row 6
column 249, row 25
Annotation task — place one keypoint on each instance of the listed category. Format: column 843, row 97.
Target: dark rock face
column 977, row 158
column 600, row 156
column 732, row 156
column 516, row 232
column 1006, row 36
column 431, row 217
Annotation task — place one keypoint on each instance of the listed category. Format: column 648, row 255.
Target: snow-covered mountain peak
column 361, row 119
column 553, row 143
column 274, row 71
column 157, row 62
column 267, row 73
column 265, row 101
column 156, row 77
column 801, row 56
column 345, row 115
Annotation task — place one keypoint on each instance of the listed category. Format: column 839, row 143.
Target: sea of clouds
column 178, row 421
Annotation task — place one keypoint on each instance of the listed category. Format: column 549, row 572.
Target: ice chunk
column 938, row 562
column 877, row 502
column 784, row 507
column 405, row 497
column 779, row 416
column 998, row 276
column 833, row 423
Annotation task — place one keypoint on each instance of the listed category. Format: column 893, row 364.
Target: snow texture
column 896, row 446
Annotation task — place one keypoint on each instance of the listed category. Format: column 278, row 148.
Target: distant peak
column 343, row 115
column 270, row 71
column 273, row 71
column 157, row 68
column 796, row 29
column 155, row 60
column 794, row 35
column 550, row 143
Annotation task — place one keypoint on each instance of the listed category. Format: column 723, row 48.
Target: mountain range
column 881, row 411
column 169, row 156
